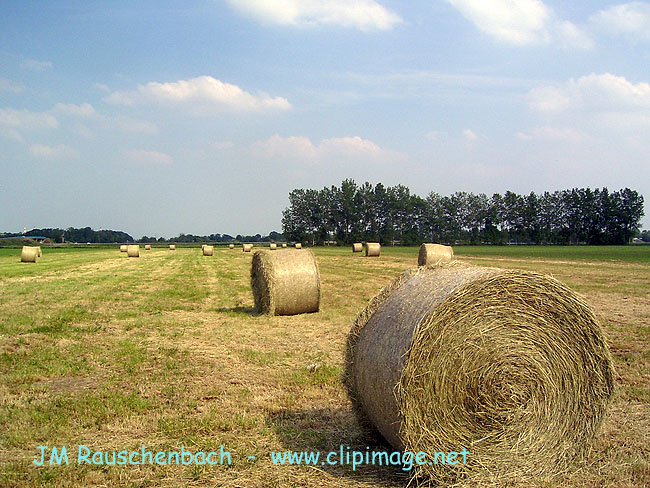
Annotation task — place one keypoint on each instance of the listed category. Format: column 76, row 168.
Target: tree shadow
column 326, row 430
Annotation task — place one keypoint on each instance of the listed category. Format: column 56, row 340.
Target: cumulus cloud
column 148, row 157
column 359, row 14
column 84, row 110
column 34, row 65
column 631, row 19
column 60, row 151
column 25, row 119
column 470, row 135
column 592, row 92
column 203, row 89
column 298, row 148
column 521, row 22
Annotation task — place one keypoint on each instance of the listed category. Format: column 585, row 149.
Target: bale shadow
column 325, row 430
column 250, row 311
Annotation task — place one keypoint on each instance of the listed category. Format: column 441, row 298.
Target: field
column 165, row 351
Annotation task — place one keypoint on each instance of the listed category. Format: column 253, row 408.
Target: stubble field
column 113, row 353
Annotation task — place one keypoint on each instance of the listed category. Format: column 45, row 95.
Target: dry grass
column 167, row 351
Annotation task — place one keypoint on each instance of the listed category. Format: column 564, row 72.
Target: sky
column 159, row 117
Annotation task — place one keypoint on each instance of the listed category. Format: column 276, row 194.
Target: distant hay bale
column 29, row 254
column 273, row 246
column 357, row 247
column 133, row 251
column 246, row 247
column 285, row 282
column 208, row 250
column 231, row 246
column 432, row 254
column 373, row 249
column 172, row 247
column 298, row 245
column 510, row 365
column 284, row 245
column 147, row 247
column 40, row 251
column 123, row 248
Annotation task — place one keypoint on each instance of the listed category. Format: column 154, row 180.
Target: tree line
column 351, row 213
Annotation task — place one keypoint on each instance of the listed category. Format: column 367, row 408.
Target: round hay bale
column 147, row 247
column 123, row 248
column 357, row 247
column 40, row 251
column 285, row 282
column 373, row 248
column 273, row 246
column 208, row 250
column 133, row 251
column 298, row 245
column 29, row 254
column 511, row 366
column 246, row 247
column 172, row 247
column 284, row 245
column 432, row 254
column 231, row 246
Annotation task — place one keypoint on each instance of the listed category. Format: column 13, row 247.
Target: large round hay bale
column 357, row 247
column 432, row 254
column 208, row 250
column 172, row 247
column 273, row 246
column 298, row 245
column 373, row 248
column 133, row 251
column 284, row 245
column 285, row 282
column 123, row 248
column 147, row 247
column 29, row 254
column 246, row 247
column 511, row 366
column 231, row 246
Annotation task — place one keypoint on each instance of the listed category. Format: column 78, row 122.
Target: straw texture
column 357, row 247
column 432, row 254
column 510, row 365
column 373, row 248
column 208, row 250
column 29, row 254
column 285, row 282
column 133, row 251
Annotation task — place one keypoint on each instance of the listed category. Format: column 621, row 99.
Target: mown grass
column 165, row 351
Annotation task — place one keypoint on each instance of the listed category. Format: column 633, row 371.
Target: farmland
column 165, row 351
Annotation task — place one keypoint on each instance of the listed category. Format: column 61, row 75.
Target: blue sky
column 158, row 117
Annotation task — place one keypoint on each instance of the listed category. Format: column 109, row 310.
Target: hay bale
column 231, row 246
column 246, row 247
column 433, row 254
column 357, row 247
column 133, row 251
column 40, row 251
column 208, row 250
column 29, row 254
column 284, row 245
column 147, row 247
column 510, row 365
column 123, row 248
column 298, row 245
column 273, row 246
column 373, row 248
column 172, row 247
column 285, row 282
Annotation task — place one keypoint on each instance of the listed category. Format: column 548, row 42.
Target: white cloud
column 592, row 92
column 470, row 135
column 203, row 89
column 148, row 157
column 12, row 135
column 25, row 119
column 298, row 148
column 10, row 86
column 59, row 151
column 631, row 19
column 550, row 133
column 522, row 22
column 34, row 65
column 360, row 14
column 85, row 110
